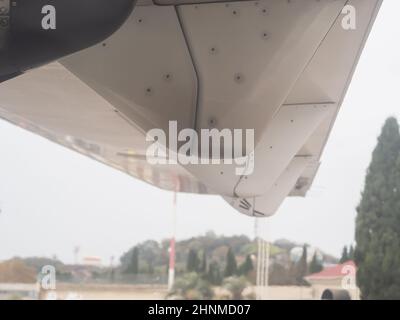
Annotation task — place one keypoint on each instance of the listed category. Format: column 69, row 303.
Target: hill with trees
column 216, row 258
column 202, row 263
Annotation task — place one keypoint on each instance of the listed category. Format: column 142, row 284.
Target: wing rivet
column 149, row 91
column 212, row 122
column 168, row 77
column 239, row 78
column 213, row 50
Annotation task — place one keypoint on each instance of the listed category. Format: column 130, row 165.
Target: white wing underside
column 294, row 60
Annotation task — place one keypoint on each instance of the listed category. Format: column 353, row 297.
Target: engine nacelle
column 36, row 32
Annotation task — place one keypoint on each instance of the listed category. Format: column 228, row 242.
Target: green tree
column 133, row 262
column 378, row 220
column 246, row 266
column 192, row 287
column 214, row 274
column 150, row 255
column 203, row 266
column 301, row 267
column 315, row 265
column 112, row 275
column 193, row 263
column 345, row 255
column 236, row 286
column 231, row 265
column 351, row 253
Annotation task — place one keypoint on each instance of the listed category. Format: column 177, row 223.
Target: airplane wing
column 280, row 68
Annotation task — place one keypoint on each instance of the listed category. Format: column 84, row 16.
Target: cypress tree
column 246, row 266
column 203, row 267
column 315, row 265
column 231, row 266
column 345, row 255
column 378, row 220
column 301, row 267
column 214, row 274
column 133, row 264
column 193, row 261
column 351, row 253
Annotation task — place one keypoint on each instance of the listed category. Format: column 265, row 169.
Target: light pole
column 171, row 269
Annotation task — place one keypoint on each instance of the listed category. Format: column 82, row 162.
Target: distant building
column 337, row 277
column 17, row 280
column 92, row 261
column 19, row 291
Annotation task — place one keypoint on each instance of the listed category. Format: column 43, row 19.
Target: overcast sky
column 53, row 199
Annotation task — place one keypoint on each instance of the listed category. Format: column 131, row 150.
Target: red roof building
column 337, row 277
column 334, row 272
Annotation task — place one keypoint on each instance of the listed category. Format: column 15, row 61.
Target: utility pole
column 171, row 269
column 76, row 254
column 263, row 250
